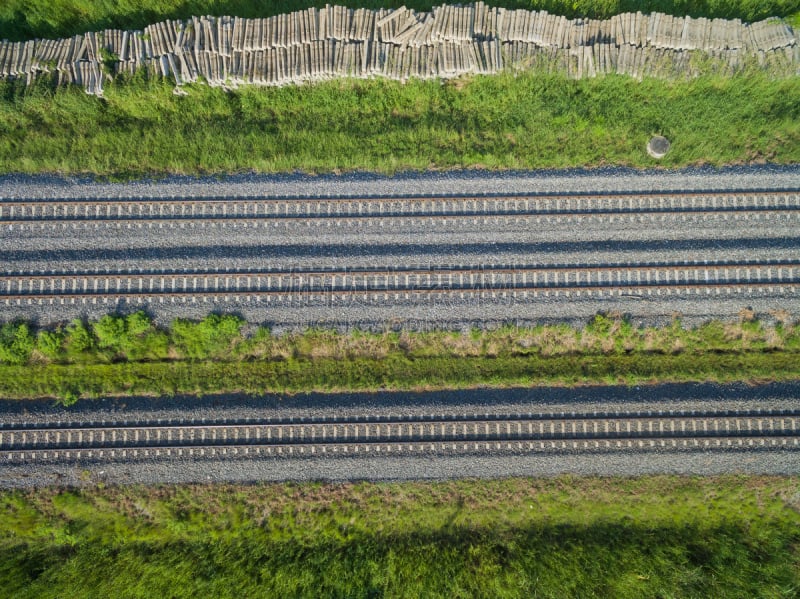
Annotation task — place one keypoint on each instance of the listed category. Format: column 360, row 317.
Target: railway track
column 772, row 218
column 38, row 278
column 16, row 212
column 401, row 282
column 458, row 434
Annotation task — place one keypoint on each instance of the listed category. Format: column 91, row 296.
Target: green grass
column 567, row 537
column 395, row 372
column 129, row 355
column 534, row 120
column 24, row 19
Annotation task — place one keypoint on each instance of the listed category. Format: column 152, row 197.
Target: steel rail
column 547, row 424
column 755, row 191
column 388, row 280
column 402, row 449
column 638, row 292
column 396, row 222
column 780, row 217
column 368, row 418
column 382, row 297
column 14, row 211
column 415, row 268
column 503, row 432
column 533, row 195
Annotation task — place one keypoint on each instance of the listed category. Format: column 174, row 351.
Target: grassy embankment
column 128, row 355
column 534, row 120
column 566, row 537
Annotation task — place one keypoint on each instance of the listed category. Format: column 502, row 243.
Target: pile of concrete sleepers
column 451, row 40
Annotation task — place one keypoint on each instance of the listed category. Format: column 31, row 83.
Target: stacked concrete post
column 450, row 41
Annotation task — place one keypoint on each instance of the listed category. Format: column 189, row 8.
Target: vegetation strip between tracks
column 394, row 372
column 128, row 355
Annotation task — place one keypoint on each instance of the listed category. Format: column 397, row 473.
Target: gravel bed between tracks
column 434, row 314
column 168, row 247
column 701, row 463
column 441, row 183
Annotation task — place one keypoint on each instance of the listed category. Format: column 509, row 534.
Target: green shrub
column 132, row 337
column 16, row 343
column 79, row 342
column 212, row 337
column 600, row 325
column 149, row 359
column 51, row 344
column 110, row 333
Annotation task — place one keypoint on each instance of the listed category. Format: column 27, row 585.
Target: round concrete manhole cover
column 658, row 146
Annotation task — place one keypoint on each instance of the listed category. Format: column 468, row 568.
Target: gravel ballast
column 439, row 183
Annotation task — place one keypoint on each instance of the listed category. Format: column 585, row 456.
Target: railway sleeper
column 308, row 439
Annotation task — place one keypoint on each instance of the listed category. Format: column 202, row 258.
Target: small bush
column 212, row 337
column 79, row 342
column 16, row 343
column 51, row 344
column 68, row 397
column 132, row 337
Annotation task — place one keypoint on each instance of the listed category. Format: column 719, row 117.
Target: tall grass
column 24, row 19
column 533, row 120
column 661, row 536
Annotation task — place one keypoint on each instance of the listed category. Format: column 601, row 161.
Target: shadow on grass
column 620, row 559
column 518, row 399
column 394, row 372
